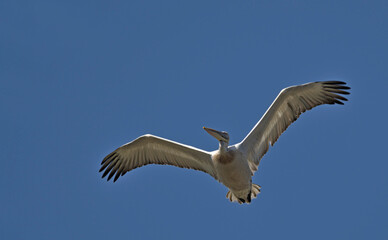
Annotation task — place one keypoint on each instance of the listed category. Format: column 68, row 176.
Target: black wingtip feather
column 112, row 173
column 336, row 87
column 338, row 102
column 341, row 92
column 333, row 82
column 108, row 157
column 116, row 177
column 340, row 97
column 104, row 174
column 341, row 87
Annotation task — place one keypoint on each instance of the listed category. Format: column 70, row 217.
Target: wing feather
column 287, row 107
column 149, row 149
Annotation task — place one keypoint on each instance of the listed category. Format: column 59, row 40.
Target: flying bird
column 232, row 165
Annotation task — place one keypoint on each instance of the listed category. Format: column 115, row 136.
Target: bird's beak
column 214, row 133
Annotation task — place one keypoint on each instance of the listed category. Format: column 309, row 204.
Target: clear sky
column 80, row 78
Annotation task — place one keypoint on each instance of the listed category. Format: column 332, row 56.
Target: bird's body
column 233, row 171
column 232, row 165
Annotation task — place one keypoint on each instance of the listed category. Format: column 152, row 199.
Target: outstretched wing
column 287, row 107
column 149, row 149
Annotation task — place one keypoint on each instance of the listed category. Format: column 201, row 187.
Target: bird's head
column 220, row 136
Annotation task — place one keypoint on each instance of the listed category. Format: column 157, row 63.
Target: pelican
column 232, row 165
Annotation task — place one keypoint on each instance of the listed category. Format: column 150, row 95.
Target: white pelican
column 232, row 165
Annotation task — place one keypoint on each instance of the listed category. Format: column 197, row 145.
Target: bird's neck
column 223, row 146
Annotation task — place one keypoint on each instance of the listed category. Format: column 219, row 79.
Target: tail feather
column 233, row 197
column 255, row 190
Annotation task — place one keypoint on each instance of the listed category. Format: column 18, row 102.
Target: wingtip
column 339, row 102
column 102, row 168
column 108, row 157
column 104, row 174
column 110, row 176
column 334, row 82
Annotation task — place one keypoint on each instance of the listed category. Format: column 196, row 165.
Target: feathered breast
column 224, row 157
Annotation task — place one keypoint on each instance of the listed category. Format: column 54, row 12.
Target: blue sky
column 80, row 78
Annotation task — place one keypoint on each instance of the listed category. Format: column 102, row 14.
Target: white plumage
column 232, row 165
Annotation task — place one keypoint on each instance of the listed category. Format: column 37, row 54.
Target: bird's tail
column 255, row 190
